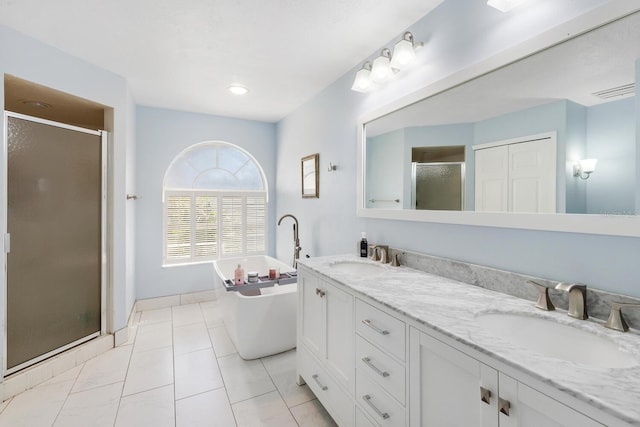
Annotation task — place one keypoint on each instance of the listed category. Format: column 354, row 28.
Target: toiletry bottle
column 364, row 246
column 238, row 276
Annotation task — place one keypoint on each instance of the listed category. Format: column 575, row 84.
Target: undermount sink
column 552, row 339
column 357, row 268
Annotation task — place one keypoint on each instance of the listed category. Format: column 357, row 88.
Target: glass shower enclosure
column 55, row 202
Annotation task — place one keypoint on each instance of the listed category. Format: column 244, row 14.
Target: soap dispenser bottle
column 364, row 246
column 238, row 276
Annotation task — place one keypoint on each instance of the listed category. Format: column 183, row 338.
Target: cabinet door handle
column 504, row 406
column 322, row 386
column 485, row 395
column 383, row 415
column 320, row 292
column 375, row 328
column 367, row 361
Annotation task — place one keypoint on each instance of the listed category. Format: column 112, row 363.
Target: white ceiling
column 183, row 54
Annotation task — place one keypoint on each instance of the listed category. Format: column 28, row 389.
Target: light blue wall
column 575, row 148
column 611, row 138
column 40, row 63
column 385, row 171
column 161, row 136
column 458, row 34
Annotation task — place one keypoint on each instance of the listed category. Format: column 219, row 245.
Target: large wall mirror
column 502, row 149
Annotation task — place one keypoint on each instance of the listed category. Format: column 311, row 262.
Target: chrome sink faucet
column 615, row 320
column 383, row 251
column 384, row 254
column 577, row 299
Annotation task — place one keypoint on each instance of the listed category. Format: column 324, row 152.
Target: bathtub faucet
column 296, row 241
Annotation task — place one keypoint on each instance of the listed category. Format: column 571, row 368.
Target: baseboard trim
column 174, row 300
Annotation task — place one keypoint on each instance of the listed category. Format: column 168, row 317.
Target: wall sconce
column 363, row 82
column 404, row 52
column 584, row 168
column 386, row 64
column 504, row 5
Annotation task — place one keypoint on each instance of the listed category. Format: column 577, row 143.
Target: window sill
column 186, row 263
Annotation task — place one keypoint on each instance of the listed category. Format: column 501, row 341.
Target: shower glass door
column 55, row 222
column 437, row 186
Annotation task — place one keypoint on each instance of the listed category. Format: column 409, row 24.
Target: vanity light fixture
column 381, row 69
column 404, row 52
column 363, row 83
column 584, row 168
column 238, row 89
column 505, row 5
column 386, row 64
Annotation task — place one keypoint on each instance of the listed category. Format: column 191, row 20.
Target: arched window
column 215, row 204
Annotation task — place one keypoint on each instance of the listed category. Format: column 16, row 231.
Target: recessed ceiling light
column 238, row 89
column 35, row 104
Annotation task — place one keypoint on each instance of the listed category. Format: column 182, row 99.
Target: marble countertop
column 451, row 308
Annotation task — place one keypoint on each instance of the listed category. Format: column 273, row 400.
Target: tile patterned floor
column 178, row 369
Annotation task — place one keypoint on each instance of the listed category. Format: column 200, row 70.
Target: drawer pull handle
column 320, row 292
column 383, row 415
column 375, row 328
column 504, row 406
column 367, row 361
column 485, row 395
column 322, row 386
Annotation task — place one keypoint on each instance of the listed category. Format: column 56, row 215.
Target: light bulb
column 362, row 82
column 588, row 165
column 381, row 69
column 403, row 55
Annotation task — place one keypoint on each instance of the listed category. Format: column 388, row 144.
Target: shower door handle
column 7, row 243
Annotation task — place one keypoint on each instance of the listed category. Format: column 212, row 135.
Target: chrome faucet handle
column 395, row 261
column 544, row 302
column 615, row 320
column 577, row 299
column 374, row 253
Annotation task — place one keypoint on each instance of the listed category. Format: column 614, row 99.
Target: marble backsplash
column 506, row 282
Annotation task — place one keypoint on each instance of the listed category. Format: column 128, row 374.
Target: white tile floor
column 178, row 369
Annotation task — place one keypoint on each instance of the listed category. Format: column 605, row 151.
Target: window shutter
column 206, row 225
column 178, row 227
column 232, row 225
column 256, row 226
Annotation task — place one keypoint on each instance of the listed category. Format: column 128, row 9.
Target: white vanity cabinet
column 450, row 388
column 372, row 366
column 326, row 343
column 380, row 365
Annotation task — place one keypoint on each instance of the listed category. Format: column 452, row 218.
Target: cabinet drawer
column 381, row 368
column 377, row 403
column 362, row 420
column 380, row 328
column 333, row 398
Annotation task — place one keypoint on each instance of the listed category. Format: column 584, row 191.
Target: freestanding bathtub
column 259, row 321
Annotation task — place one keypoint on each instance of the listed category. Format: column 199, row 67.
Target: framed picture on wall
column 310, row 179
